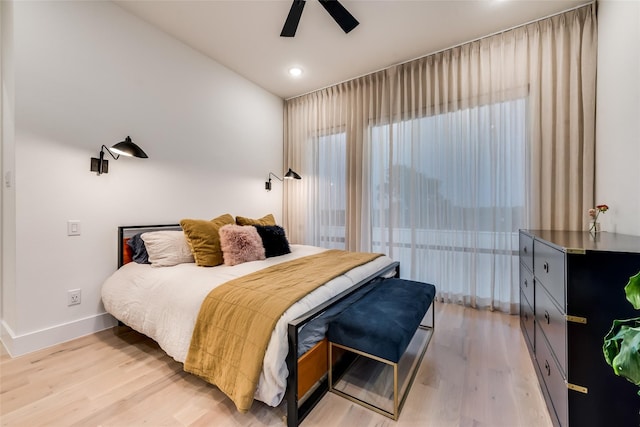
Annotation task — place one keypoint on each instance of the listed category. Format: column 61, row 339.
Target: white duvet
column 163, row 303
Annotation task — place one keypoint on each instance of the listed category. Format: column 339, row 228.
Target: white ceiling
column 244, row 35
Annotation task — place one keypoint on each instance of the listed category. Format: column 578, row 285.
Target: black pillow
column 138, row 249
column 274, row 240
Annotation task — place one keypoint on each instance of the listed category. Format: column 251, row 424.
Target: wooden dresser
column 571, row 289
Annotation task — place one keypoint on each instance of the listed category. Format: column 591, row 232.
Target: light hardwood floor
column 476, row 372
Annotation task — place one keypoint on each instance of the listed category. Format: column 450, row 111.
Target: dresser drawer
column 554, row 325
column 526, row 284
column 553, row 380
column 527, row 322
column 526, row 251
column 548, row 267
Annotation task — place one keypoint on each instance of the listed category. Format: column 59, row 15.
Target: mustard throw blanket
column 236, row 319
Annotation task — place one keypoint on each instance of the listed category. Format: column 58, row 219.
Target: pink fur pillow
column 240, row 244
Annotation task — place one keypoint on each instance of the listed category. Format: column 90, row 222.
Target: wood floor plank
column 476, row 372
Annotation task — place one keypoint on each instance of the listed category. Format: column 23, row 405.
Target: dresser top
column 602, row 241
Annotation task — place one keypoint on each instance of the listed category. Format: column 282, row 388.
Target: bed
column 163, row 303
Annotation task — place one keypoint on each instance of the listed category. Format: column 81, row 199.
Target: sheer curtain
column 439, row 161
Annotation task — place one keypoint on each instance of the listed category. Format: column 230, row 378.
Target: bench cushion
column 383, row 322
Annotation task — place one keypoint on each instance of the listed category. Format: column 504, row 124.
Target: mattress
column 163, row 304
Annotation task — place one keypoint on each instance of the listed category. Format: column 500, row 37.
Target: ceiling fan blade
column 341, row 15
column 293, row 19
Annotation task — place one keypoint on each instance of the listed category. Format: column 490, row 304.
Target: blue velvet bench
column 380, row 326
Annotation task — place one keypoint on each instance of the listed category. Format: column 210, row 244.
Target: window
column 448, row 193
column 330, row 206
column 469, row 164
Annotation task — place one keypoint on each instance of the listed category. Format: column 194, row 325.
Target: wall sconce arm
column 289, row 175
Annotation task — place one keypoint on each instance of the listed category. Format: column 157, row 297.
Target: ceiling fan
column 341, row 15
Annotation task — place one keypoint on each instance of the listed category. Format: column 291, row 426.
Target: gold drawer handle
column 576, row 319
column 579, row 388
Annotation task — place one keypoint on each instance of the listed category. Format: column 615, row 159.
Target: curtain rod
column 591, row 3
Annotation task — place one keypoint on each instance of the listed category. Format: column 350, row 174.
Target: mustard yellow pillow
column 264, row 221
column 204, row 239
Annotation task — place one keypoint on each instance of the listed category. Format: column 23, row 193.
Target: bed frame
column 308, row 380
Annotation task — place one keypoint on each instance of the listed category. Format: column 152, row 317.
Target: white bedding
column 163, row 303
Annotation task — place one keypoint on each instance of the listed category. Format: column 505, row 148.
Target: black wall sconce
column 122, row 148
column 289, row 175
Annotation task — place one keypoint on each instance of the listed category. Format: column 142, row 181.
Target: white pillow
column 167, row 248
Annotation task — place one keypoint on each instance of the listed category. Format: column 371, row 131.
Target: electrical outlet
column 73, row 297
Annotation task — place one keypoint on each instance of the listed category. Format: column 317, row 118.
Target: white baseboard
column 17, row 345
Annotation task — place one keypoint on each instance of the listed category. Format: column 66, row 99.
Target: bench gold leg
column 398, row 401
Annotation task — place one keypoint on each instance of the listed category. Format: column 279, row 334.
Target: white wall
column 87, row 74
column 7, row 156
column 618, row 115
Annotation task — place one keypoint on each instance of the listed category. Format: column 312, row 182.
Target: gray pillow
column 138, row 249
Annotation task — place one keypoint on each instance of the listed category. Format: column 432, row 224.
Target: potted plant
column 622, row 344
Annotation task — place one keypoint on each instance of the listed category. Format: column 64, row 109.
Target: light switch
column 73, row 227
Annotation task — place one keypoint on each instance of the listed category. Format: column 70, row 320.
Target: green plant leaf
column 632, row 290
column 611, row 345
column 621, row 349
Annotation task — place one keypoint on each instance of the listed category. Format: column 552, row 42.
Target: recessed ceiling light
column 295, row 72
